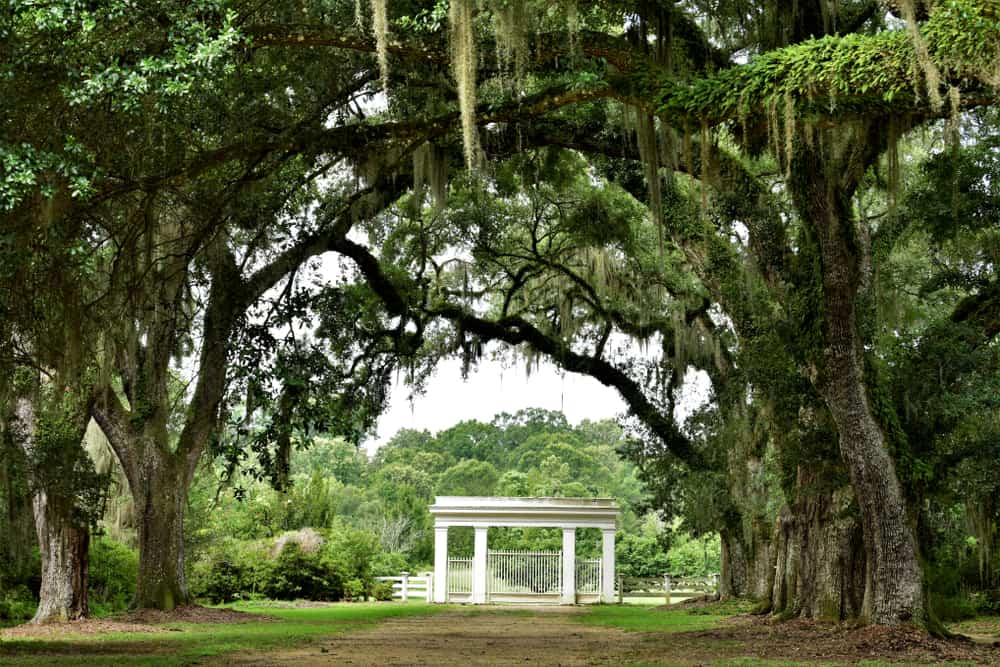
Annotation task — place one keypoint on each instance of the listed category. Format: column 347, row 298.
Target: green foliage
column 231, row 570
column 641, row 555
column 339, row 564
column 113, row 571
column 694, row 557
column 388, row 564
column 295, row 574
column 468, row 478
column 17, row 605
column 382, row 591
column 350, row 551
column 61, row 467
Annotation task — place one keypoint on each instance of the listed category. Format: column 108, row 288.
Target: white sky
column 494, row 387
column 490, row 389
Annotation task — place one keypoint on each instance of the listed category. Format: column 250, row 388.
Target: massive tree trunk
column 159, row 491
column 733, row 577
column 64, row 546
column 761, row 564
column 159, row 480
column 826, row 174
column 63, row 538
column 160, row 475
column 896, row 593
column 747, row 566
column 786, row 563
column 830, row 579
column 819, row 564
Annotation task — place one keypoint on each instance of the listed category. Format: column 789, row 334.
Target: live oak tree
column 45, row 402
column 771, row 118
column 188, row 230
column 830, row 93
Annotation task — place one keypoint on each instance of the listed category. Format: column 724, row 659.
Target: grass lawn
column 637, row 618
column 188, row 642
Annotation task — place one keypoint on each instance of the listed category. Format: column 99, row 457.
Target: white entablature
column 482, row 512
column 525, row 512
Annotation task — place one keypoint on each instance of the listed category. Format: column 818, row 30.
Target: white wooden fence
column 528, row 572
column 667, row 587
column 406, row 586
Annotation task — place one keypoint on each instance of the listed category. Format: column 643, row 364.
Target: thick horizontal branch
column 841, row 76
column 516, row 331
column 981, row 310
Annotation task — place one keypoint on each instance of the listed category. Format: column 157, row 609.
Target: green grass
column 186, row 643
column 643, row 619
column 982, row 626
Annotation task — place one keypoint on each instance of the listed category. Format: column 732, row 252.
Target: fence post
column 621, row 590
column 406, row 584
column 666, row 587
column 715, row 580
column 428, row 595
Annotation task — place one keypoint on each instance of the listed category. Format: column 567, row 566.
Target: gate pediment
column 528, row 512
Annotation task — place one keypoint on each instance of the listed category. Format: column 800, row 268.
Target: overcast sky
column 494, row 388
column 491, row 389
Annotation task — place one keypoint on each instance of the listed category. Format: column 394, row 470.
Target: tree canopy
column 795, row 199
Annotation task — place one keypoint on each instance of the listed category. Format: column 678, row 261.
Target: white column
column 608, row 565
column 479, row 566
column 569, row 566
column 440, row 563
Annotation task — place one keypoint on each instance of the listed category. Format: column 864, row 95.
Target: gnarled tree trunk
column 733, row 577
column 63, row 540
column 826, row 174
column 830, row 570
column 159, row 490
column 159, row 480
column 64, row 547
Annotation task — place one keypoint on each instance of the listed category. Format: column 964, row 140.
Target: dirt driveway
column 470, row 638
column 550, row 636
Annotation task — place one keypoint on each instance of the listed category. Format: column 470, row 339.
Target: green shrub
column 354, row 590
column 295, row 574
column 226, row 581
column 114, row 568
column 388, row 564
column 231, row 570
column 300, row 564
column 382, row 591
column 954, row 607
column 987, row 602
column 17, row 605
column 352, row 551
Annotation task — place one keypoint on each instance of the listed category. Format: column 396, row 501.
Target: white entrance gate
column 517, row 576
column 523, row 573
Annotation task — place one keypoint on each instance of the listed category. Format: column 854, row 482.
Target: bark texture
column 826, row 175
column 733, row 575
column 64, row 548
column 160, row 499
column 63, row 540
column 829, row 547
